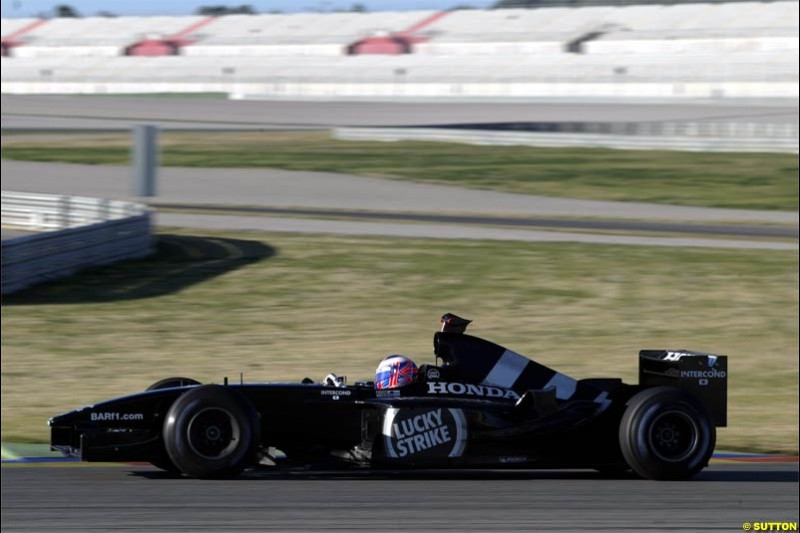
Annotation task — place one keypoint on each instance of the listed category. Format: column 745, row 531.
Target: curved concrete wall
column 74, row 233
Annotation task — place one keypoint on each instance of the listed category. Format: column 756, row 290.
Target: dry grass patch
column 315, row 304
column 738, row 180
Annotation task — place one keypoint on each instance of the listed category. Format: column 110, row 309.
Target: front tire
column 211, row 432
column 164, row 462
column 168, row 383
column 666, row 434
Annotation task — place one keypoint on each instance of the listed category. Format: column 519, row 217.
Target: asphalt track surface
column 239, row 199
column 391, row 200
column 325, row 190
column 139, row 498
column 451, row 231
column 113, row 112
column 538, row 222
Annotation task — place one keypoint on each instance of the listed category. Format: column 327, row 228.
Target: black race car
column 480, row 406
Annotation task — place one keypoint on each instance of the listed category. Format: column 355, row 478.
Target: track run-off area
column 54, row 112
column 373, row 206
column 320, row 202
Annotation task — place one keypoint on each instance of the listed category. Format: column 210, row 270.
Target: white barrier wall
column 625, row 45
column 67, row 51
column 598, row 140
column 76, row 232
column 488, row 48
column 412, row 68
column 257, row 50
column 411, row 91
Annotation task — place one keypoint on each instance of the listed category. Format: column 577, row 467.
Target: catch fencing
column 70, row 233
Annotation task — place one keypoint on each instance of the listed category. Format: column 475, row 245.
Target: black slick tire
column 168, row 383
column 164, row 462
column 211, row 432
column 666, row 434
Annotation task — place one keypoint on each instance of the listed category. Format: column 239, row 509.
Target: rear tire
column 666, row 434
column 211, row 432
column 168, row 383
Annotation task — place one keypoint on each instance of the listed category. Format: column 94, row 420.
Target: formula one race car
column 480, row 406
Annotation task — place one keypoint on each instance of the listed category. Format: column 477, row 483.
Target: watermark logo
column 769, row 526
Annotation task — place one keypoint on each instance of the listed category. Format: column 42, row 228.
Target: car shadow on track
column 265, row 474
column 179, row 261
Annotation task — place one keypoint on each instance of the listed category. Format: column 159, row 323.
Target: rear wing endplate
column 703, row 375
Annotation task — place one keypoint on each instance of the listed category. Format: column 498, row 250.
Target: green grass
column 734, row 180
column 279, row 306
column 15, row 450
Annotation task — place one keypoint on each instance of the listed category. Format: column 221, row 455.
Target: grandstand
column 742, row 49
column 93, row 36
column 642, row 29
column 301, row 34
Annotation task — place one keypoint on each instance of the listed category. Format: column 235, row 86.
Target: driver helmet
column 394, row 372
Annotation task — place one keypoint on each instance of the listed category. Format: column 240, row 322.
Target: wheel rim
column 673, row 436
column 213, row 433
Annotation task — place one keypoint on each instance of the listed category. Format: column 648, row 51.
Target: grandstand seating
column 96, row 36
column 13, row 31
column 408, row 68
column 301, row 34
column 702, row 28
column 740, row 42
column 610, row 29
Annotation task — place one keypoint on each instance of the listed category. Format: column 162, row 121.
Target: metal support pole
column 145, row 159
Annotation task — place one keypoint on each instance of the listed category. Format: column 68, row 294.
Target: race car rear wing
column 704, row 375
